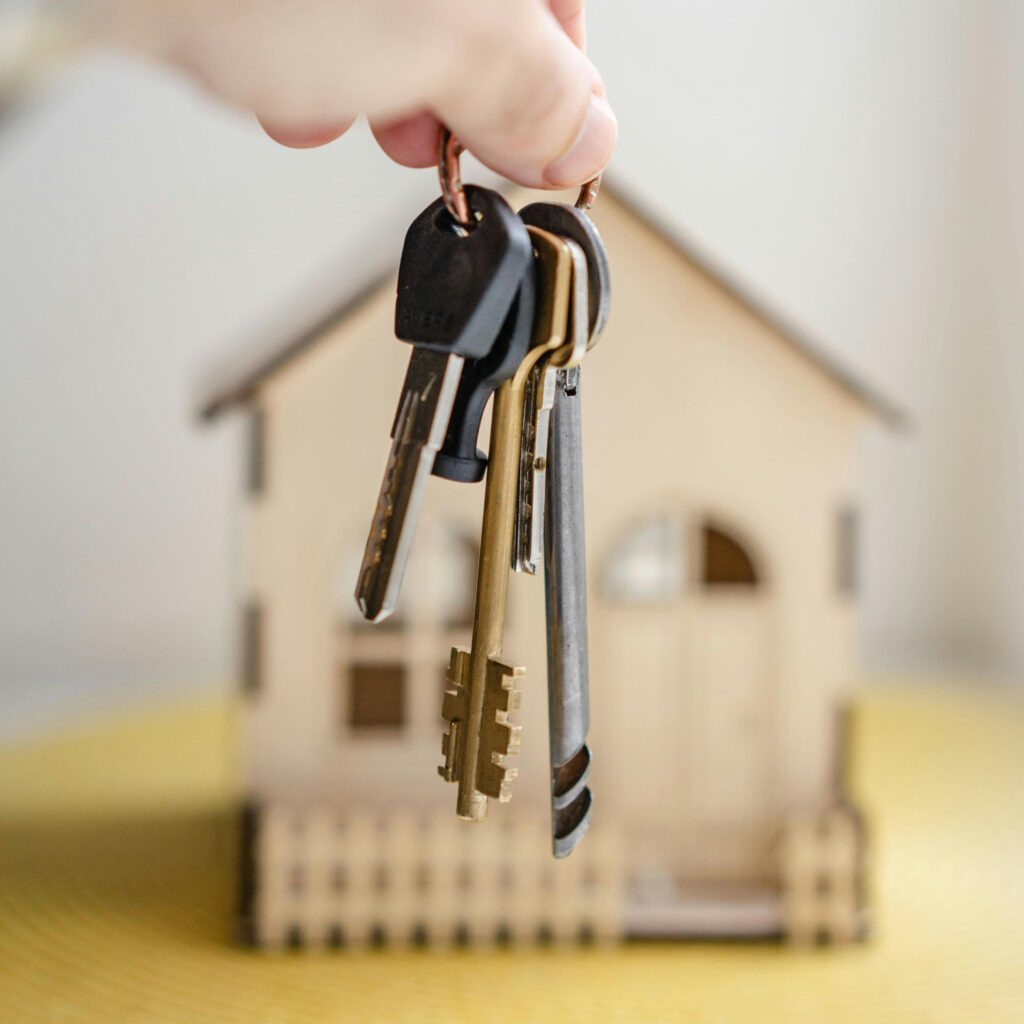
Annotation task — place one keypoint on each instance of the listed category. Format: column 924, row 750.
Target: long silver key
column 565, row 551
column 565, row 591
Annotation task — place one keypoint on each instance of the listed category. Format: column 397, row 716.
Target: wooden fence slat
column 326, row 877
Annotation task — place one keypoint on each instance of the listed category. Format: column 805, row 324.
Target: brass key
column 483, row 691
column 528, row 534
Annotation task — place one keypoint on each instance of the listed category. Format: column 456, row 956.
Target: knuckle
column 568, row 11
column 540, row 100
column 517, row 90
column 547, row 115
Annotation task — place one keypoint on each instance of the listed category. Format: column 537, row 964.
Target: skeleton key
column 528, row 544
column 565, row 580
column 455, row 292
column 482, row 694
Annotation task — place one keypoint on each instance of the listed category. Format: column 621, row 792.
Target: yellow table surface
column 117, row 885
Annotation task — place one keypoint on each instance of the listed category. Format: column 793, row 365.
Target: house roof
column 239, row 382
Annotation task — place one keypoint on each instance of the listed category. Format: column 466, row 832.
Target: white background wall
column 857, row 165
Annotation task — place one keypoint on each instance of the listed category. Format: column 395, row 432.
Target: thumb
column 535, row 111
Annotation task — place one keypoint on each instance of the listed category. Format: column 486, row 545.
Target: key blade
column 455, row 711
column 499, row 739
column 538, row 472
column 528, row 545
column 418, row 432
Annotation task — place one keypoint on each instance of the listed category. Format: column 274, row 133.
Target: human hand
column 509, row 77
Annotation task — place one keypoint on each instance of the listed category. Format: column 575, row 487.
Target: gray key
column 565, row 590
column 564, row 551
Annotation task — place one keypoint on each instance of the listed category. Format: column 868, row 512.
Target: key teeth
column 505, row 740
column 382, row 516
column 453, row 710
column 496, row 782
column 499, row 740
column 453, row 705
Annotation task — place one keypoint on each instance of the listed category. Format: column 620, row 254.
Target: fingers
column 410, row 141
column 507, row 76
column 305, row 137
column 591, row 148
column 527, row 102
column 570, row 15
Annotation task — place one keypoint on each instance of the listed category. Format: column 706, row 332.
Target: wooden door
column 730, row 735
column 683, row 701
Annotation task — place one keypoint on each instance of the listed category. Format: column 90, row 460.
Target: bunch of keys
column 504, row 304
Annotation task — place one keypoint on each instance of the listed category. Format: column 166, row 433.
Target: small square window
column 376, row 696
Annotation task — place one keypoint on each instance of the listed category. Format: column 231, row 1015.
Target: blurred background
column 858, row 166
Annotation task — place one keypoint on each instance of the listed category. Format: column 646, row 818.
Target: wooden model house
column 721, row 490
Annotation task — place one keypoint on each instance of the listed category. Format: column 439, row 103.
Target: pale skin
column 509, row 77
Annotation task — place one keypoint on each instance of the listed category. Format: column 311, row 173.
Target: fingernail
column 591, row 150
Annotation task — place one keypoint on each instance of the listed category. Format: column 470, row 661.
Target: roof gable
column 240, row 383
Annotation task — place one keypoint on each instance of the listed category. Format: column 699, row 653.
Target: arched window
column 724, row 560
column 647, row 564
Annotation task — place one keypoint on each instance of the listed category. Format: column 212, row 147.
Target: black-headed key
column 459, row 458
column 455, row 292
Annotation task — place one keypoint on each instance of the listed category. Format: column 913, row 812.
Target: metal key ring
column 588, row 193
column 454, row 194
column 451, row 180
